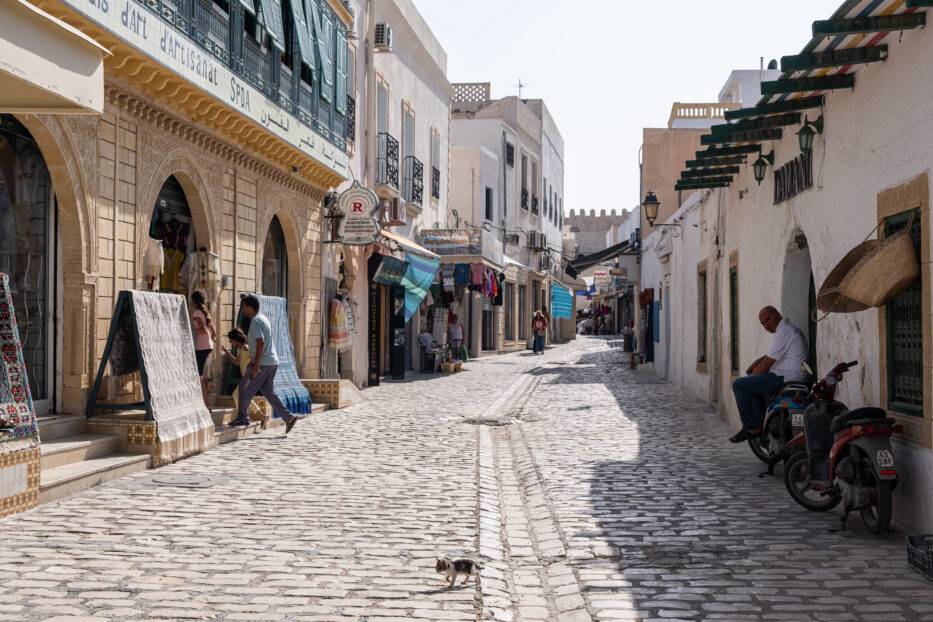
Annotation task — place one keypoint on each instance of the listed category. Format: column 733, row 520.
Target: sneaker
column 239, row 423
column 291, row 424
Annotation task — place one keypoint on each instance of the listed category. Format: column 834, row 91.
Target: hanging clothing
column 339, row 329
column 351, row 324
column 447, row 276
column 500, row 285
column 462, row 274
column 479, row 273
column 174, row 234
column 173, row 261
column 153, row 262
column 201, row 270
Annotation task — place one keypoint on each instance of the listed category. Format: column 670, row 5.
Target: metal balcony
column 435, row 182
column 524, row 198
column 351, row 118
column 387, row 161
column 534, row 204
column 414, row 180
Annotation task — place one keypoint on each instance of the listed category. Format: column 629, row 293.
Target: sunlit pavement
column 591, row 492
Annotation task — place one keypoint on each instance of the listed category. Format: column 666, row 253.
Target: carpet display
column 16, row 410
column 150, row 332
column 287, row 384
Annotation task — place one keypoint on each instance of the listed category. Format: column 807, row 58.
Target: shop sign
column 358, row 225
column 492, row 248
column 159, row 40
column 793, row 178
column 453, row 241
column 601, row 278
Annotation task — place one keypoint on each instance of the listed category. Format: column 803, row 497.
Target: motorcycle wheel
column 877, row 517
column 761, row 450
column 797, row 481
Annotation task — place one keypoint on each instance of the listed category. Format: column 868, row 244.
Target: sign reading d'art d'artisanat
column 793, row 178
column 358, row 225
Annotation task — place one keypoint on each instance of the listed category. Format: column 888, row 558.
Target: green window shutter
column 305, row 39
column 734, row 319
column 272, row 20
column 249, row 6
column 904, row 334
column 324, row 37
column 341, row 103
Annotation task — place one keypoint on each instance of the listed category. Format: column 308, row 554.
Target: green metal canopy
column 741, row 137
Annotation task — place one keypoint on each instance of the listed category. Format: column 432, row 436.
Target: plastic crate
column 920, row 554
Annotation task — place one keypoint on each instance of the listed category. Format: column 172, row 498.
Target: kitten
column 453, row 568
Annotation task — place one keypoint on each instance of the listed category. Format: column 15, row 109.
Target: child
column 238, row 340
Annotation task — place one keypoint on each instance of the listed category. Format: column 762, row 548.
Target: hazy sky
column 608, row 68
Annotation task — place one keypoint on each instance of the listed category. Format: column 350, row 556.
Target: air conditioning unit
column 543, row 241
column 512, row 238
column 382, row 40
column 393, row 212
column 545, row 263
column 533, row 239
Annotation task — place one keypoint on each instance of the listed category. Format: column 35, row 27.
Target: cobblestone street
column 591, row 492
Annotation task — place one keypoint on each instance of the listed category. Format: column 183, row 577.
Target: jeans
column 750, row 392
column 539, row 343
column 251, row 385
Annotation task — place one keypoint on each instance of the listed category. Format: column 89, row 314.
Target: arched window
column 171, row 224
column 275, row 262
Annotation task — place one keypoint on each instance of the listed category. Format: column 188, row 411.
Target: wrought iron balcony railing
column 414, row 180
column 534, row 204
column 387, row 161
column 524, row 198
column 351, row 118
column 435, row 182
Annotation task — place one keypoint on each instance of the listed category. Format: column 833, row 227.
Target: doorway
column 275, row 262
column 171, row 225
column 798, row 291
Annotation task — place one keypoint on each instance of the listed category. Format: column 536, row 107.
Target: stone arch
column 64, row 155
column 190, row 177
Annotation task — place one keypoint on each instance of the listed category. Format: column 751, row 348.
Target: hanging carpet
column 16, row 409
column 287, row 384
column 417, row 280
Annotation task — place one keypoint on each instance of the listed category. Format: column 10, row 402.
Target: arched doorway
column 28, row 241
column 275, row 261
column 798, row 293
column 171, row 224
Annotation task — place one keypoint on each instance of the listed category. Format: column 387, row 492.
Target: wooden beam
column 715, row 152
column 801, row 85
column 711, row 172
column 834, row 58
column 859, row 25
column 765, row 123
column 707, row 162
column 741, row 137
column 709, row 179
column 702, row 186
column 775, row 108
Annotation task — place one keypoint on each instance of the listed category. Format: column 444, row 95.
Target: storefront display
column 171, row 225
column 17, row 415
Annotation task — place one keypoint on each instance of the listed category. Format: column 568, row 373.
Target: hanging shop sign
column 793, row 178
column 358, row 225
column 453, row 241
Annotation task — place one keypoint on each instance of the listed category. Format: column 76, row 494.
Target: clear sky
column 608, row 68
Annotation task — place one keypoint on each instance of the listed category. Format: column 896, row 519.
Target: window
column 522, row 312
column 408, row 136
column 510, row 154
column 435, row 164
column 525, row 199
column 488, row 203
column 734, row 319
column 904, row 330
column 509, row 311
column 382, row 107
column 701, row 316
column 544, row 190
column 351, row 72
column 534, row 187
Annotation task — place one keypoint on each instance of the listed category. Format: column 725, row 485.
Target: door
column 667, row 332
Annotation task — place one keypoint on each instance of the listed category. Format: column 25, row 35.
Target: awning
column 586, row 261
column 47, row 66
column 410, row 246
column 455, row 259
column 561, row 301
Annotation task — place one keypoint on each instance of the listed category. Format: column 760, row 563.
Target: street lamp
column 807, row 132
column 761, row 165
column 651, row 206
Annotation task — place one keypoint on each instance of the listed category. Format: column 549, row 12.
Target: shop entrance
column 275, row 262
column 28, row 242
column 489, row 326
column 171, row 225
column 798, row 294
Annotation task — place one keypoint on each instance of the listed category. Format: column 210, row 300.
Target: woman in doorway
column 539, row 326
column 454, row 336
column 204, row 335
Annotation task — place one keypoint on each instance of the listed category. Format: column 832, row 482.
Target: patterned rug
column 287, row 384
column 15, row 399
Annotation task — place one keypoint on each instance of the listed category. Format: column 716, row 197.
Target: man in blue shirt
column 260, row 375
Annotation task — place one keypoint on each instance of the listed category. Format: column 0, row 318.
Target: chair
column 433, row 352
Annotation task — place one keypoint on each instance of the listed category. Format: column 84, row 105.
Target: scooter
column 848, row 457
column 783, row 422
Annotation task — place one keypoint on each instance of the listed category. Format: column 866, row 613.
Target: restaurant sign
column 793, row 178
column 453, row 241
column 358, row 225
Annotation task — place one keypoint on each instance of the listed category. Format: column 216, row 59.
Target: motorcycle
column 783, row 422
column 847, row 459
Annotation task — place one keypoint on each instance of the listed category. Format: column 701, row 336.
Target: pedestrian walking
column 260, row 376
column 539, row 327
column 454, row 336
column 242, row 359
column 204, row 336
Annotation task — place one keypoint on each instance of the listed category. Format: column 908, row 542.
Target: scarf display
column 417, row 281
column 16, row 407
column 339, row 327
column 287, row 384
column 351, row 325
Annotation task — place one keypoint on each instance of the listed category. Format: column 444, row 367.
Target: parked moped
column 783, row 422
column 848, row 457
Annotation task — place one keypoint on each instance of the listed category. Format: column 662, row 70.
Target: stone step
column 70, row 449
column 229, row 433
column 55, row 426
column 222, row 416
column 71, row 478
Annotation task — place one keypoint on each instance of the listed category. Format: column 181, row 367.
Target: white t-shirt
column 789, row 349
column 455, row 331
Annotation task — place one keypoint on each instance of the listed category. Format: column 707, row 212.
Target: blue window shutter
column 341, row 103
column 249, row 6
column 305, row 40
column 272, row 21
column 323, row 48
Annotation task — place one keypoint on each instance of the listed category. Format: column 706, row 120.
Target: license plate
column 796, row 420
column 884, row 458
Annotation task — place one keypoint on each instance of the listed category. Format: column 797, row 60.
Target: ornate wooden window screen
column 904, row 332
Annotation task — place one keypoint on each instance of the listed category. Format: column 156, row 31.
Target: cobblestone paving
column 590, row 491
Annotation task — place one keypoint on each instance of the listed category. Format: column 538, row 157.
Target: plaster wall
column 664, row 152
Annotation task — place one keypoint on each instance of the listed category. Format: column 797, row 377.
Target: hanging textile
column 462, row 274
column 339, row 328
column 390, row 271
column 447, row 277
column 287, row 384
column 351, row 325
column 153, row 263
column 201, row 270
column 417, row 280
column 439, row 331
column 561, row 302
column 16, row 409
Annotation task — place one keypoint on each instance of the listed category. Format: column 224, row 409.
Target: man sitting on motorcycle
column 781, row 364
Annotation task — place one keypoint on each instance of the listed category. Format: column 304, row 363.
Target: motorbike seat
column 790, row 389
column 867, row 412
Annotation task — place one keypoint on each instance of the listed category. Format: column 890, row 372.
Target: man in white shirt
column 781, row 364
